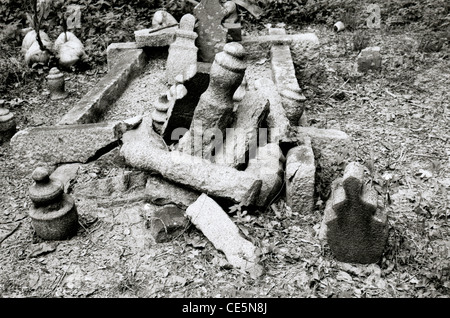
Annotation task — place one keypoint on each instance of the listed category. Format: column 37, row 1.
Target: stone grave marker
column 211, row 34
column 374, row 19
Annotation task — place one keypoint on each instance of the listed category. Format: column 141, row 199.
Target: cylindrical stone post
column 7, row 125
column 53, row 213
column 56, row 84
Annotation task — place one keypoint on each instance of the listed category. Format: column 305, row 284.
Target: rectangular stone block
column 99, row 99
column 149, row 38
column 115, row 51
column 300, row 178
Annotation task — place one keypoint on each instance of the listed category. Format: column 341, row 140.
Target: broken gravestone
column 369, row 59
column 355, row 228
column 214, row 112
column 182, row 52
column 53, row 213
column 162, row 19
column 300, row 177
column 211, row 34
column 162, row 32
column 217, row 226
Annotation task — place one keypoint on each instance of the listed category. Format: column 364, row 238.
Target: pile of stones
column 218, row 136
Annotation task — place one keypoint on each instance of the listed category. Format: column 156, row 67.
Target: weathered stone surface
column 283, row 73
column 53, row 213
column 64, row 144
column 167, row 223
column 214, row 112
column 98, row 100
column 242, row 136
column 300, row 178
column 161, row 192
column 268, row 166
column 66, row 174
column 183, row 52
column 155, row 37
column 180, row 103
column 355, row 228
column 211, row 34
column 7, row 125
column 232, row 22
column 277, row 121
column 369, row 59
column 116, row 51
column 215, row 224
column 162, row 19
column 300, row 44
column 142, row 149
column 56, row 84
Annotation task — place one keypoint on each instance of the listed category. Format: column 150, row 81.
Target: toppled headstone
column 66, row 144
column 161, row 192
column 242, row 137
column 277, row 121
column 211, row 34
column 140, row 150
column 215, row 224
column 214, row 112
column 369, row 59
column 7, row 125
column 182, row 52
column 167, row 223
column 355, row 228
column 162, row 19
column 283, row 73
column 155, row 37
column 300, row 178
column 268, row 166
column 53, row 213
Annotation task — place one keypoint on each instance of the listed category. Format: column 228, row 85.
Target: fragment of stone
column 56, row 84
column 113, row 187
column 369, row 59
column 69, row 49
column 53, row 213
column 7, row 125
column 241, row 139
column 67, row 174
column 216, row 225
column 212, row 36
column 160, row 191
column 162, row 19
column 53, row 145
column 116, row 51
column 283, row 73
column 331, row 148
column 374, row 18
column 183, row 52
column 268, row 165
column 215, row 110
column 277, row 120
column 355, row 228
column 167, row 223
column 174, row 110
column 155, row 37
column 144, row 149
column 300, row 178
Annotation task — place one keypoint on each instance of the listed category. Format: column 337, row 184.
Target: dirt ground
column 399, row 121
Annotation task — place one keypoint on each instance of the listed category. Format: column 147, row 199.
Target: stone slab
column 99, row 99
column 115, row 51
column 149, row 38
column 167, row 223
column 217, row 226
column 300, row 178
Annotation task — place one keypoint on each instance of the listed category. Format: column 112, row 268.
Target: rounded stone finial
column 187, row 22
column 55, row 80
column 7, row 124
column 46, row 190
column 54, row 73
column 232, row 57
